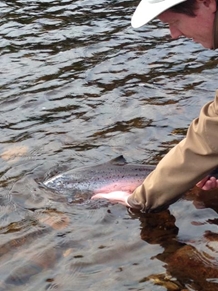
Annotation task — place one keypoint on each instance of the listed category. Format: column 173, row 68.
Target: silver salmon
column 115, row 175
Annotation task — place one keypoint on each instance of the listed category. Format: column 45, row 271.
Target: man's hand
column 208, row 183
column 114, row 197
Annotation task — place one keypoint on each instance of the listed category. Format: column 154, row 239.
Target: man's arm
column 187, row 163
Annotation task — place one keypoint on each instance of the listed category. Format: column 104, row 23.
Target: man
column 197, row 154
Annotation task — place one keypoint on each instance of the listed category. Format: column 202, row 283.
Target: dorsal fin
column 118, row 161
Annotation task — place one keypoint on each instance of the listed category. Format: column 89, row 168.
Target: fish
column 114, row 175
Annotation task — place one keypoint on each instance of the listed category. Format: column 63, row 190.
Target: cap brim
column 149, row 9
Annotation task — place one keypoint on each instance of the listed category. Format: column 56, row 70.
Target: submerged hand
column 208, row 183
column 114, row 197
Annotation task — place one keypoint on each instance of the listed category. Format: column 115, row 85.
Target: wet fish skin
column 115, row 175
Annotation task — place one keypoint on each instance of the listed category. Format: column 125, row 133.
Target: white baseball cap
column 149, row 9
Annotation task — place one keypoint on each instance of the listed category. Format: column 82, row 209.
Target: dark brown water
column 78, row 87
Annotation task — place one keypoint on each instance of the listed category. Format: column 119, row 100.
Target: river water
column 79, row 87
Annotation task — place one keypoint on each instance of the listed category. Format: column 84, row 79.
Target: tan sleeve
column 185, row 165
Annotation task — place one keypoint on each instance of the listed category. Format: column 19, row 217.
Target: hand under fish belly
column 114, row 197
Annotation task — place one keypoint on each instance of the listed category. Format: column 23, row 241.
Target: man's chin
column 205, row 45
column 208, row 46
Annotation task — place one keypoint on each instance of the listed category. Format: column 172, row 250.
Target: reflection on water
column 78, row 87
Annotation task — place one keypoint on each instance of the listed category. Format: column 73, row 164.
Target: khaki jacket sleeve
column 185, row 165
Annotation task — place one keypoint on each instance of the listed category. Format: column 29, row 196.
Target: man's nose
column 175, row 32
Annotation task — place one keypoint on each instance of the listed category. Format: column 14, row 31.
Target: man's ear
column 210, row 4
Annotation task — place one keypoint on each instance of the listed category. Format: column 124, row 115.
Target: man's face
column 198, row 28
